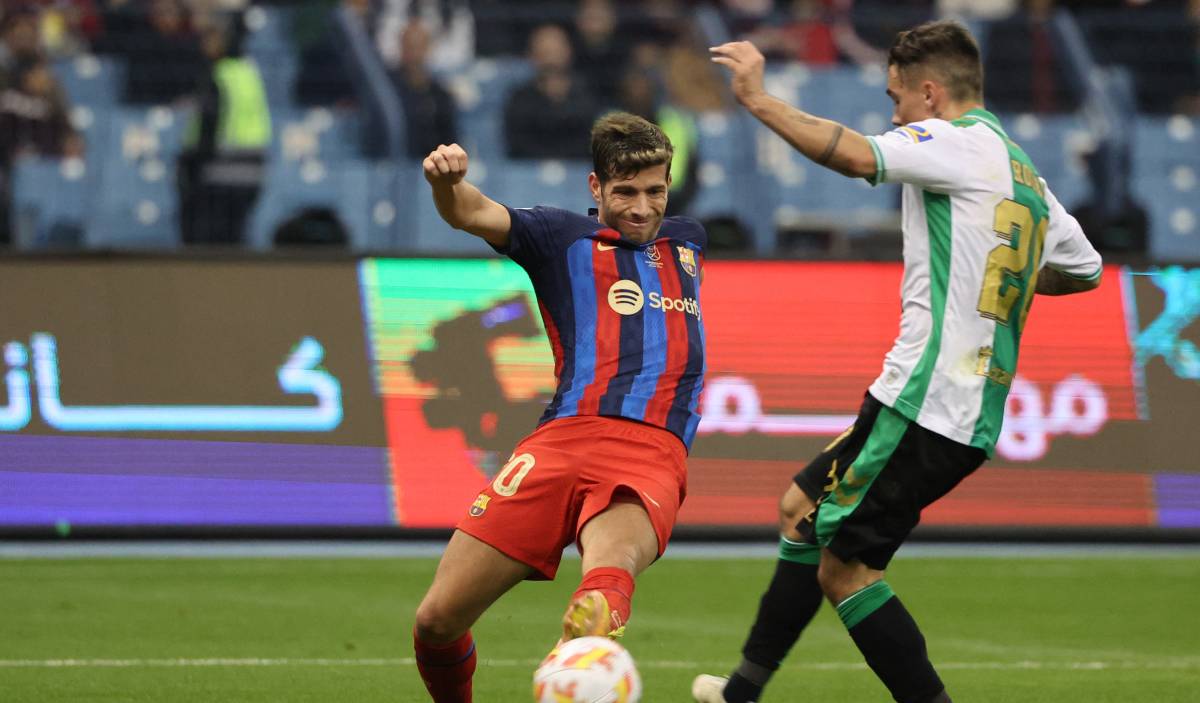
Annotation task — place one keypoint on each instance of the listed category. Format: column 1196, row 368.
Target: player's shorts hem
column 662, row 531
column 575, row 468
column 899, row 468
column 543, row 570
column 806, row 486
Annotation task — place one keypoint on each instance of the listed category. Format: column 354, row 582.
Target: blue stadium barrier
column 272, row 50
column 91, row 80
column 480, row 94
column 318, row 132
column 718, row 149
column 51, row 202
column 1166, row 181
column 137, row 194
column 342, row 186
column 1056, row 145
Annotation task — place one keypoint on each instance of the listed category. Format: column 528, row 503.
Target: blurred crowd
column 586, row 56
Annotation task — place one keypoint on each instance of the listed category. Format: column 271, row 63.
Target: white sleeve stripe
column 1089, row 277
column 879, row 166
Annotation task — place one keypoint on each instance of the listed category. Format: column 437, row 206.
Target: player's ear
column 594, row 185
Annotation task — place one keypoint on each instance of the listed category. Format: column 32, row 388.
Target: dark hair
column 623, row 144
column 947, row 49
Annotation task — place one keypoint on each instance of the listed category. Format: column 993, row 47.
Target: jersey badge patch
column 918, row 134
column 479, row 507
column 687, row 259
column 653, row 257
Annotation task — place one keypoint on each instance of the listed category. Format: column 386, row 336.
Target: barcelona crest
column 687, row 259
column 480, row 506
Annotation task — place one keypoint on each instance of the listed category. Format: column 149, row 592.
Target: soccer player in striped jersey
column 982, row 235
column 619, row 292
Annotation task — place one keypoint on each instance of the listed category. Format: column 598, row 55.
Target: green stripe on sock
column 857, row 607
column 799, row 552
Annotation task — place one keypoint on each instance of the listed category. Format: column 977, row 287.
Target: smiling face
column 634, row 205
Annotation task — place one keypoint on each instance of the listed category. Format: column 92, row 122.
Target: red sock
column 616, row 585
column 447, row 669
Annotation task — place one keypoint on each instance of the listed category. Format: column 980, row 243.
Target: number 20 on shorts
column 509, row 479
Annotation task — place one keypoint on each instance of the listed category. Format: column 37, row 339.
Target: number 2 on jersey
column 1010, row 265
column 509, row 479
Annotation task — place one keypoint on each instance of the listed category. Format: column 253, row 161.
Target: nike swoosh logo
column 601, row 246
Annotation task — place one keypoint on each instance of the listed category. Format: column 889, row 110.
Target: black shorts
column 871, row 483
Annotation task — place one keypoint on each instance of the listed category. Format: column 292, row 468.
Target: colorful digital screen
column 187, row 393
column 386, row 392
column 1091, row 436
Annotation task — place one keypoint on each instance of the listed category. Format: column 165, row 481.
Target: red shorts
column 567, row 472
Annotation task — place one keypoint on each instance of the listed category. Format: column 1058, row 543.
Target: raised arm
column 826, row 142
column 462, row 205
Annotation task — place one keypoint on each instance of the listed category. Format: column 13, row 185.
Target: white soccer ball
column 588, row 670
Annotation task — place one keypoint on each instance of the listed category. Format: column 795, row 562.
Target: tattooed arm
column 824, row 141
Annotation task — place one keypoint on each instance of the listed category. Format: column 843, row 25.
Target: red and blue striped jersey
column 623, row 319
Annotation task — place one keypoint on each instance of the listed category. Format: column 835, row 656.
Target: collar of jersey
column 985, row 117
column 608, row 235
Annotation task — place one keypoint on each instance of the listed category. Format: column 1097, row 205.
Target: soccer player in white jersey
column 982, row 234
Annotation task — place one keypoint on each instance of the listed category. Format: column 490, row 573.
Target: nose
column 641, row 206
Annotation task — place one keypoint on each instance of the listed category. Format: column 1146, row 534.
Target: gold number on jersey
column 1007, row 264
column 509, row 479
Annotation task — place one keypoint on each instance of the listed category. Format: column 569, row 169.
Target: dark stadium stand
column 124, row 194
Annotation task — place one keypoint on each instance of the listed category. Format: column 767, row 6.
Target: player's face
column 633, row 206
column 912, row 101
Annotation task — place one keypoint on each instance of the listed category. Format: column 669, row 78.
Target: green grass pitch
column 1049, row 629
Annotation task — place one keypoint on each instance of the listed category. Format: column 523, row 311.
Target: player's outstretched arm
column 461, row 204
column 826, row 142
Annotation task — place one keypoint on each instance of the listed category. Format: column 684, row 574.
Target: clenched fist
column 445, row 165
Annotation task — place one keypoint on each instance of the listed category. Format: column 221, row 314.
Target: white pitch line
column 1171, row 664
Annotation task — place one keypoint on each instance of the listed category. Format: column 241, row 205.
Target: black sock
column 788, row 605
column 892, row 644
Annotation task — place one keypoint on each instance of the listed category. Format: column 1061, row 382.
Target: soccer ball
column 588, row 670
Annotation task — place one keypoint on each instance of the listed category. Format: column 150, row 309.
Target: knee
column 833, row 582
column 794, row 506
column 436, row 625
column 839, row 581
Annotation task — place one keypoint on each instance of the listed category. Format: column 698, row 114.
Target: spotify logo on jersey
column 625, row 296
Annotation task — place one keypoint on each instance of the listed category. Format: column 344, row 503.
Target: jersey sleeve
column 1067, row 249
column 531, row 238
column 697, row 234
column 927, row 154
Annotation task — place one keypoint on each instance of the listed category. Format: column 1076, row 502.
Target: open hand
column 745, row 63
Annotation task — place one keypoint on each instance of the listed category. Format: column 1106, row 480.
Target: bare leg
column 471, row 576
column 617, row 545
column 621, row 536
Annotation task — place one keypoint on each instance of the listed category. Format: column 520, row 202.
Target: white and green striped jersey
column 979, row 223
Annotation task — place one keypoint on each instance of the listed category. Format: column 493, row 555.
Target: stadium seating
column 1166, row 168
column 126, row 195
